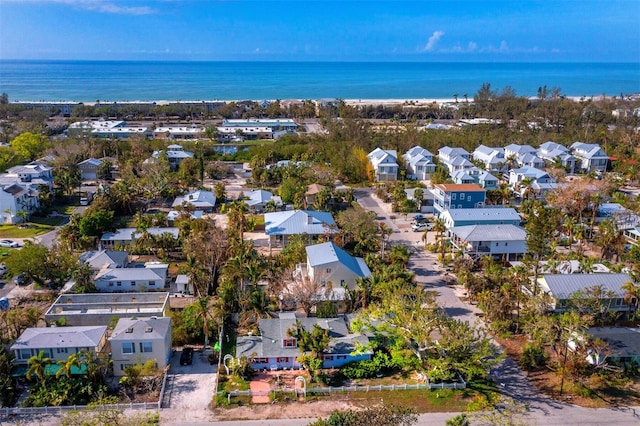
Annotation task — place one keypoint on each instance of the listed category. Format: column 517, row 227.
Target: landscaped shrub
column 367, row 369
column 533, row 356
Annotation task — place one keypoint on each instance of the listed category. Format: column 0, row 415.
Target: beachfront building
column 448, row 196
column 420, row 163
column 275, row 349
column 237, row 134
column 274, row 124
column 554, row 153
column 507, row 242
column 529, row 182
column 589, row 157
column 179, row 132
column 106, row 129
column 135, row 341
column 385, row 164
column 493, row 159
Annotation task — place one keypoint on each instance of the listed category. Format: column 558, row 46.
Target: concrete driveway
column 190, row 389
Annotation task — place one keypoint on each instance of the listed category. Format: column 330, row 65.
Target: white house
column 492, row 158
column 475, row 175
column 179, row 132
column 276, row 349
column 452, row 158
column 17, row 202
column 589, row 157
column 152, row 277
column 200, row 200
column 505, row 241
column 58, row 342
column 552, row 152
column 385, row 164
column 128, row 236
column 135, row 341
column 420, row 163
column 279, row 226
column 524, row 155
column 328, row 263
column 175, row 155
column 105, row 258
column 257, row 200
column 89, row 169
column 32, row 175
column 540, row 181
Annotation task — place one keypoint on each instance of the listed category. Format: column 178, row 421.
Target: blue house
column 457, row 196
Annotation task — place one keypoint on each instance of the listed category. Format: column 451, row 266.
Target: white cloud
column 101, row 6
column 433, row 40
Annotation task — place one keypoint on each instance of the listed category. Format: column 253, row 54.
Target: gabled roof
column 198, row 199
column 587, row 150
column 91, row 161
column 460, row 161
column 520, row 149
column 140, row 329
column 314, row 188
column 97, row 259
column 550, row 146
column 260, row 196
column 472, row 233
column 298, row 222
column 483, row 214
column 562, row 286
column 418, row 150
column 452, row 152
column 15, row 189
column 60, row 337
column 128, row 234
column 530, row 172
column 489, row 152
column 130, row 274
column 328, row 253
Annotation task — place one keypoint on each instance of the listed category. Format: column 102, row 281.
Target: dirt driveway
column 190, row 390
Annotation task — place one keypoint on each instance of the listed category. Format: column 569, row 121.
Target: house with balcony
column 553, row 152
column 589, row 157
column 506, row 242
column 18, row 202
column 449, row 196
column 276, row 349
column 279, row 226
column 135, row 341
column 523, row 155
column 59, row 342
column 385, row 164
column 493, row 159
column 564, row 289
column 529, row 182
column 34, row 175
column 420, row 163
column 475, row 175
column 480, row 216
column 329, row 264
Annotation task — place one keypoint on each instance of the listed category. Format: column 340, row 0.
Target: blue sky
column 443, row 30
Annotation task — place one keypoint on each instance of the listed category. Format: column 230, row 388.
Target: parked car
column 9, row 243
column 186, row 357
column 421, row 227
column 3, row 270
column 21, row 279
column 419, row 219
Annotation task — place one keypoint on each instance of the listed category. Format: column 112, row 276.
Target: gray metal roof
column 97, row 259
column 483, row 214
column 60, row 337
column 127, row 234
column 562, row 286
column 298, row 222
column 623, row 341
column 130, row 274
column 326, row 253
column 489, row 233
column 141, row 328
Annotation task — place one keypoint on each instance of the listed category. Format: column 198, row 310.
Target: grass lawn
column 34, row 229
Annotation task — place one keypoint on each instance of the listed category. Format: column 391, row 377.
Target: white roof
column 199, row 199
column 298, row 222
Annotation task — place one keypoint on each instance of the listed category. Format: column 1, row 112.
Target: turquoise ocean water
column 88, row 81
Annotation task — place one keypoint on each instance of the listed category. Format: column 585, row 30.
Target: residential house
column 135, row 341
column 529, row 182
column 454, row 158
column 89, row 169
column 183, row 284
column 179, row 132
column 276, row 349
column 328, row 264
column 523, row 155
column 492, row 158
column 624, row 218
column 237, row 134
column 105, row 258
column 623, row 345
column 563, row 287
column 312, row 191
column 152, row 277
column 32, row 175
column 552, row 152
column 258, row 199
column 59, row 342
column 128, row 236
column 385, row 164
column 198, row 200
column 589, row 157
column 420, row 163
column 175, row 154
column 480, row 216
column 632, row 235
column 174, row 215
column 17, row 202
column 457, row 196
column 89, row 309
column 475, row 175
column 279, row 226
column 508, row 242
column 425, row 203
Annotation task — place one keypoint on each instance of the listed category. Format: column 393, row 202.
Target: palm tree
column 65, row 365
column 570, row 226
column 37, row 365
column 596, row 200
column 236, row 211
column 527, row 184
column 631, row 296
column 385, row 231
column 440, row 228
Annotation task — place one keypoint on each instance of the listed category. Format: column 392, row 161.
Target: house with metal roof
column 475, row 175
column 589, row 157
column 152, row 277
column 493, row 159
column 276, row 349
column 135, row 341
column 175, row 154
column 385, row 164
column 552, row 152
column 480, row 216
column 508, row 242
column 279, row 226
column 17, row 202
column 109, row 258
column 199, row 200
column 258, row 199
column 179, row 132
column 89, row 169
column 539, row 182
column 59, row 342
column 128, row 236
column 449, row 196
column 623, row 344
column 565, row 287
column 106, row 129
column 419, row 162
column 90, row 309
column 329, row 264
column 273, row 124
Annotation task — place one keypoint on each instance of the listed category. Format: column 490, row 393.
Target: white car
column 9, row 243
column 418, row 227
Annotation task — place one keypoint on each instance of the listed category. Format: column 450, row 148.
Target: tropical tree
column 37, row 365
column 631, row 297
column 73, row 360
